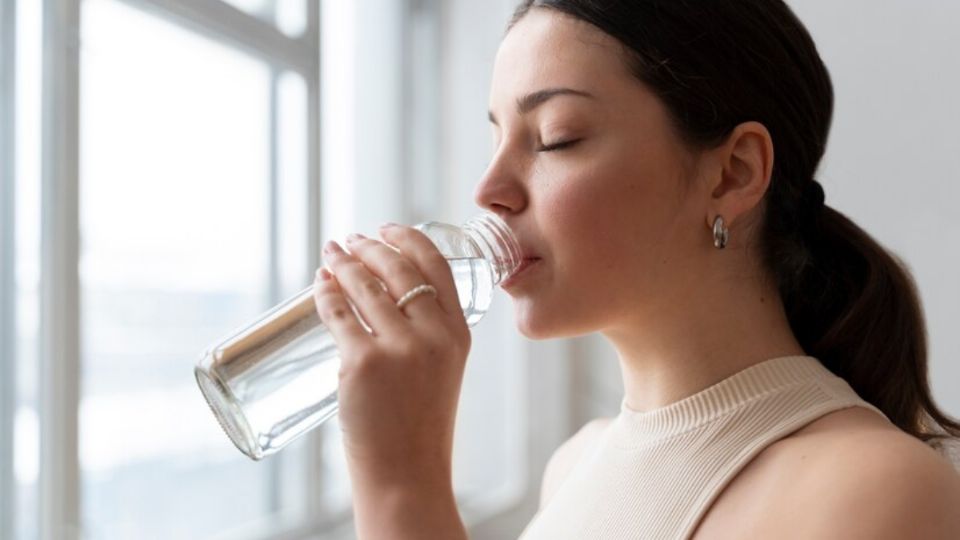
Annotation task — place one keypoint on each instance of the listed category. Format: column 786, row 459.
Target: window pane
column 27, row 265
column 175, row 254
column 253, row 7
column 335, row 492
column 290, row 16
column 292, row 199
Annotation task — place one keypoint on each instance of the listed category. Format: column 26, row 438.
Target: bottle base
column 228, row 414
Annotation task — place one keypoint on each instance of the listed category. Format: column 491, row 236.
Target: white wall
column 893, row 161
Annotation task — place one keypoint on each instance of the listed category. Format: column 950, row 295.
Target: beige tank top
column 654, row 474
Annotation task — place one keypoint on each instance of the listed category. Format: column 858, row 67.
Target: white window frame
column 8, row 40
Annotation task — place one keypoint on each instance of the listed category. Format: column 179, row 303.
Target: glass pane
column 259, row 8
column 337, row 136
column 293, row 272
column 290, row 16
column 337, row 71
column 26, row 452
column 292, row 200
column 335, row 493
column 175, row 254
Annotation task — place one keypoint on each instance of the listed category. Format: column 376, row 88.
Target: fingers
column 399, row 273
column 335, row 312
column 415, row 246
column 366, row 292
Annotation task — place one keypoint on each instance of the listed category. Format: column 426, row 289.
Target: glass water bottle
column 277, row 378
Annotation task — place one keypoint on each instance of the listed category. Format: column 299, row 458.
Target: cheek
column 573, row 204
column 592, row 235
column 611, row 183
column 607, row 227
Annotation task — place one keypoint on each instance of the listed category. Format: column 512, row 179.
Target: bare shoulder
column 849, row 474
column 567, row 455
column 868, row 479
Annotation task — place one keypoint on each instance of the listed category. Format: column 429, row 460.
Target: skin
column 619, row 217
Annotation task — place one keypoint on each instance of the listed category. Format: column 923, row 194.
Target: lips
column 526, row 263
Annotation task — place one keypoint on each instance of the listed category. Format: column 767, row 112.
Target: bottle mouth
column 506, row 255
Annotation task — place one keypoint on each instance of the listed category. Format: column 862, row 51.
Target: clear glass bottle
column 277, row 378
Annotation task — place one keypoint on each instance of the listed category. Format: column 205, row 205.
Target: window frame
column 8, row 42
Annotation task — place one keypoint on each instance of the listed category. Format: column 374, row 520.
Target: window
column 179, row 209
column 159, row 187
column 175, row 207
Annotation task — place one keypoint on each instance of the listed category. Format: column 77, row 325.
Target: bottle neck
column 496, row 242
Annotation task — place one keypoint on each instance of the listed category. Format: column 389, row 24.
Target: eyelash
column 558, row 146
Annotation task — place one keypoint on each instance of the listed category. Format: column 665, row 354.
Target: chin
column 531, row 333
column 529, row 324
column 539, row 325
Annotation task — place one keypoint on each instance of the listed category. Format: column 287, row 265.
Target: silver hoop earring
column 720, row 233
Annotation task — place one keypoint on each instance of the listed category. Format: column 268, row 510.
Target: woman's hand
column 400, row 384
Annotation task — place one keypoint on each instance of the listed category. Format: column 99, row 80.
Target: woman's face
column 591, row 177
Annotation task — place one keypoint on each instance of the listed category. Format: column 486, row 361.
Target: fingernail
column 388, row 225
column 324, row 274
column 332, row 247
column 354, row 237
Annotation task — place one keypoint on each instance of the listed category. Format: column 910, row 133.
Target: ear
column 745, row 165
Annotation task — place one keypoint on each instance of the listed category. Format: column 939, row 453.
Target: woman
column 656, row 159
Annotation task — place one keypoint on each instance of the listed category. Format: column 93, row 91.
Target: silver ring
column 415, row 292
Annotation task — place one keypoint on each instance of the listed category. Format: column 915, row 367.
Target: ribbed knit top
column 655, row 474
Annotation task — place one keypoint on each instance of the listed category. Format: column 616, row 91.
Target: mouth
column 527, row 263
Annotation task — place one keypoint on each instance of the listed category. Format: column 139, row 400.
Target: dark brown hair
column 716, row 64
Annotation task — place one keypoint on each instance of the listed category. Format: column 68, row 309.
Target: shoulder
column 567, row 455
column 873, row 481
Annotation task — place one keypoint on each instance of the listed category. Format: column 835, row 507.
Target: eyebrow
column 533, row 100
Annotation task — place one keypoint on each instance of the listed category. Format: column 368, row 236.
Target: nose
column 501, row 189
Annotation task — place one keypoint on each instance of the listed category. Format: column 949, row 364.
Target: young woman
column 656, row 159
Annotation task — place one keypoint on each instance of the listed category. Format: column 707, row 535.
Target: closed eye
column 558, row 146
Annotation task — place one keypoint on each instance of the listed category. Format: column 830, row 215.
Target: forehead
column 547, row 48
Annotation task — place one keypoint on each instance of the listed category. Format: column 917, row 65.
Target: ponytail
column 855, row 307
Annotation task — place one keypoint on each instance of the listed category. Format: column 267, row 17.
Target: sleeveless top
column 655, row 474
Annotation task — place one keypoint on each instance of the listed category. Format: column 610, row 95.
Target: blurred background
column 169, row 169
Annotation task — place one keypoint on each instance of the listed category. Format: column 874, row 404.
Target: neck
column 681, row 351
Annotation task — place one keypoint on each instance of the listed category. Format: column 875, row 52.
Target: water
column 282, row 387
